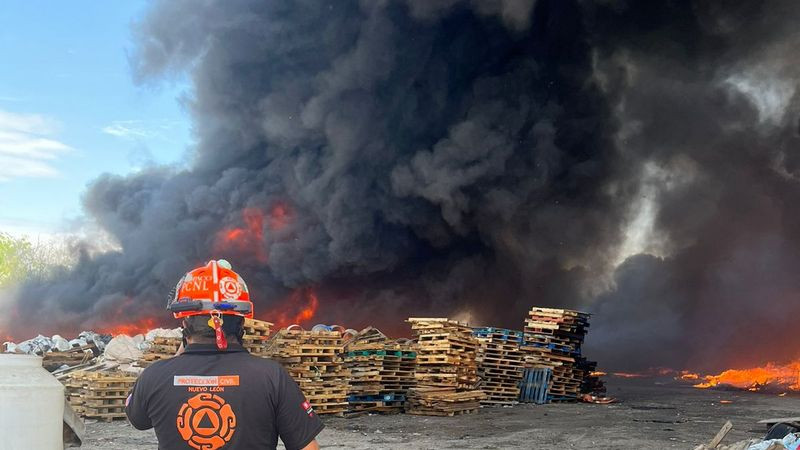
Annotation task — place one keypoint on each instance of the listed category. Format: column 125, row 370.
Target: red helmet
column 213, row 289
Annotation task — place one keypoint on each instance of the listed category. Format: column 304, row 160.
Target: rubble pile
column 381, row 371
column 313, row 360
column 500, row 364
column 446, row 371
column 553, row 338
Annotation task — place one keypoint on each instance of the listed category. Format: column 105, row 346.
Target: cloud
column 139, row 129
column 25, row 148
column 128, row 129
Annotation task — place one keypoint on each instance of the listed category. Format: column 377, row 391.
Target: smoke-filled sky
column 638, row 160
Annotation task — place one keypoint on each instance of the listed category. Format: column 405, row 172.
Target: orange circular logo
column 206, row 422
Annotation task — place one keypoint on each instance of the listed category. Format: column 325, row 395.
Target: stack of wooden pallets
column 446, row 371
column 381, row 372
column 73, row 390
column 553, row 338
column 256, row 333
column 500, row 364
column 437, row 401
column 160, row 348
column 99, row 395
column 399, row 367
column 313, row 359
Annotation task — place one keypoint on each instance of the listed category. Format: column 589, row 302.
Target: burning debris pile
column 769, row 378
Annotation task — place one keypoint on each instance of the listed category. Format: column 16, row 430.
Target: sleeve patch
column 307, row 408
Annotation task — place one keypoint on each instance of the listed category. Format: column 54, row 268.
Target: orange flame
column 246, row 240
column 279, row 217
column 689, row 376
column 628, row 375
column 756, row 378
column 298, row 308
column 131, row 329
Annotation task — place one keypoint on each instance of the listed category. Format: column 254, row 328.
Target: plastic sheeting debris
column 100, row 340
column 60, row 344
column 162, row 332
column 790, row 442
column 36, row 346
column 122, row 349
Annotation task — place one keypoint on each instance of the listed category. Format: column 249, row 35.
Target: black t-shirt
column 206, row 399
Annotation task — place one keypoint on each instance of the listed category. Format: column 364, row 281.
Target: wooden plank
column 721, row 435
column 780, row 420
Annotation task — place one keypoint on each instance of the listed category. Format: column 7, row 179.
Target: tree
column 12, row 256
column 22, row 260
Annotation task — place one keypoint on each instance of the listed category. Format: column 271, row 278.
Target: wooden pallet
column 72, row 357
column 160, row 348
column 446, row 369
column 500, row 364
column 98, row 395
column 431, row 401
column 256, row 334
column 381, row 372
column 553, row 339
column 313, row 360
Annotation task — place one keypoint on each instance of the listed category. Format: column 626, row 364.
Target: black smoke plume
column 472, row 158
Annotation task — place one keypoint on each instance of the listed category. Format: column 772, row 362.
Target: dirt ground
column 651, row 414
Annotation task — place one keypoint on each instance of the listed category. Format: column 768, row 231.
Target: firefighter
column 214, row 394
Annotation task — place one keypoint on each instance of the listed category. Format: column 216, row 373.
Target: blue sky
column 70, row 111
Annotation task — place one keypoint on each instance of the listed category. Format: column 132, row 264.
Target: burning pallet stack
column 446, row 370
column 553, row 338
column 381, row 372
column 99, row 395
column 500, row 364
column 312, row 358
column 592, row 383
column 161, row 348
column 256, row 333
